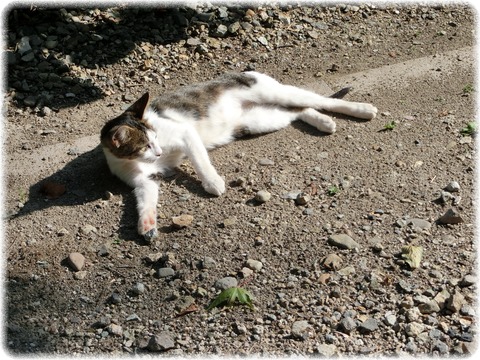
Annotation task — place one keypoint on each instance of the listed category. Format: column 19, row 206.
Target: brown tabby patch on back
column 196, row 100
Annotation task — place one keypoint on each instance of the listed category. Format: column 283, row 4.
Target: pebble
column 452, row 216
column 332, row 261
column 343, row 241
column 165, row 272
column 414, row 329
column 302, row 199
column 368, row 326
column 137, row 289
column 455, row 302
column 266, row 162
column 419, row 224
column 208, row 263
column 115, row 330
column 300, row 329
column 262, row 196
column 326, row 350
column 182, row 221
column 76, row 261
column 347, row 325
column 161, row 342
column 226, row 283
column 254, row 264
column 453, row 187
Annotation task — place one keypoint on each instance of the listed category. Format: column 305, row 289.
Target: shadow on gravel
column 87, row 179
column 48, row 42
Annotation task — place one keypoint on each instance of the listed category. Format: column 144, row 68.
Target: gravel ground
column 319, row 229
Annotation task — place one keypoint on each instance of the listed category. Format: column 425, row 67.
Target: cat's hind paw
column 214, row 186
column 366, row 111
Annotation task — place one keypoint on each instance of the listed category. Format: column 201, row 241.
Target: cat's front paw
column 147, row 224
column 214, row 185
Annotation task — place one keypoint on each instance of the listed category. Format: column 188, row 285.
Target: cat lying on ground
column 151, row 138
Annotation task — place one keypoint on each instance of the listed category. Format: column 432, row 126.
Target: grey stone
column 254, row 264
column 137, row 288
column 225, row 283
column 300, row 329
column 161, row 342
column 452, row 216
column 262, row 196
column 326, row 350
column 165, row 272
column 343, row 241
column 347, row 325
column 368, row 326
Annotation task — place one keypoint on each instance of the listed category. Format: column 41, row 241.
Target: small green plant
column 117, row 241
column 22, row 195
column 232, row 296
column 332, row 190
column 467, row 89
column 469, row 129
column 390, row 125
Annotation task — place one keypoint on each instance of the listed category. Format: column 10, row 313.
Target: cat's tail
column 341, row 93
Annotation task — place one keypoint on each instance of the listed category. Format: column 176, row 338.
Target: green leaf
column 232, row 296
column 412, row 255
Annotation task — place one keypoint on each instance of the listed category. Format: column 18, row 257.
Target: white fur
column 179, row 135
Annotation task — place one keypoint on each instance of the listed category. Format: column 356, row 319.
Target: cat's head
column 129, row 136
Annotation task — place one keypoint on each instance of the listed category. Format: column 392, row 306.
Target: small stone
column 165, row 272
column 414, row 329
column 226, row 283
column 368, row 326
column 87, row 229
column 76, row 261
column 115, row 330
column 80, row 275
column 453, row 187
column 468, row 280
column 262, row 196
column 62, row 232
column 451, row 217
column 229, row 222
column 115, row 298
column 419, row 224
column 265, row 162
column 442, row 297
column 347, row 325
column 332, row 261
column 182, row 221
column 161, row 342
column 390, row 319
column 429, row 307
column 455, row 302
column 300, row 329
column 137, row 289
column 326, row 350
column 208, row 263
column 184, row 303
column 262, row 40
column 343, row 241
column 302, row 198
column 254, row 264
column 347, row 270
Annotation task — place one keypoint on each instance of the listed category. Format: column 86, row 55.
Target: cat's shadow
column 87, row 180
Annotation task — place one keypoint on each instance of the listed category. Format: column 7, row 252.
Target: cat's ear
column 120, row 135
column 138, row 107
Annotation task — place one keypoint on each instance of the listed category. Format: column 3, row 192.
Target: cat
column 151, row 138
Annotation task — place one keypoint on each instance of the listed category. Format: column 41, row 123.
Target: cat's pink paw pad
column 147, row 224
